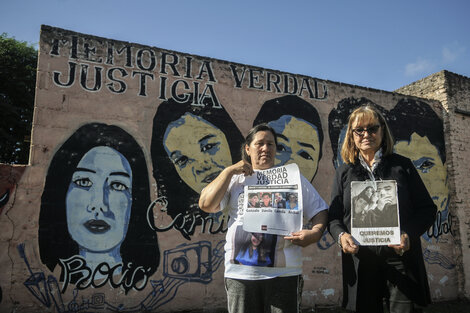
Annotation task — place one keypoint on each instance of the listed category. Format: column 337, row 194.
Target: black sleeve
column 336, row 209
column 423, row 210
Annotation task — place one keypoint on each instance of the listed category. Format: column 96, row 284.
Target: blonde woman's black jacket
column 417, row 214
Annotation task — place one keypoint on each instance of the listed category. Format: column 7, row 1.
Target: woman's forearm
column 212, row 195
column 214, row 192
column 320, row 221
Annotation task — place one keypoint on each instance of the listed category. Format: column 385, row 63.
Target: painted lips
column 97, row 226
column 211, row 177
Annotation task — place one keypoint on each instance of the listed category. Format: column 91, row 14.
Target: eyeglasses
column 361, row 131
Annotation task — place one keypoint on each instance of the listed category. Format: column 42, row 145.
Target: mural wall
column 125, row 137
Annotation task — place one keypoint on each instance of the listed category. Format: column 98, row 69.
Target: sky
column 371, row 43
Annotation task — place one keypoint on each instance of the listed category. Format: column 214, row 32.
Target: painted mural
column 93, row 221
column 9, row 179
column 299, row 130
column 190, row 146
column 125, row 138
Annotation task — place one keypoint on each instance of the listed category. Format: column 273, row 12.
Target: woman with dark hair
column 299, row 132
column 380, row 278
column 264, row 288
column 190, row 146
column 253, row 201
column 292, row 203
column 266, row 200
column 255, row 249
column 419, row 135
column 94, row 203
column 338, row 122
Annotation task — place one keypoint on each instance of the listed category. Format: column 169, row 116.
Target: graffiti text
column 75, row 266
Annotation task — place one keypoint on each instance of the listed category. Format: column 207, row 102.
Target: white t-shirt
column 280, row 257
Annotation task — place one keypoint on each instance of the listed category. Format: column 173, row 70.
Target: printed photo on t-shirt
column 253, row 249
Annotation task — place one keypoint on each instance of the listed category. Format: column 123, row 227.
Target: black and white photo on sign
column 374, row 214
column 374, row 204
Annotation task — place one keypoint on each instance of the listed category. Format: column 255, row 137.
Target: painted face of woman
column 99, row 200
column 428, row 163
column 199, row 150
column 298, row 142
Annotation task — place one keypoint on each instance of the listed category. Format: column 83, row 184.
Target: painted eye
column 209, row 146
column 83, row 182
column 281, row 148
column 306, row 155
column 118, row 186
column 424, row 164
column 182, row 161
column 427, row 164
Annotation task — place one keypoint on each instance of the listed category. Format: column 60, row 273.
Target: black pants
column 276, row 295
column 385, row 287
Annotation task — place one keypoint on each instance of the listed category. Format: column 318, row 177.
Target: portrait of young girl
column 94, row 203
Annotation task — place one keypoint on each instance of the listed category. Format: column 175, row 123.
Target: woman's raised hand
column 242, row 167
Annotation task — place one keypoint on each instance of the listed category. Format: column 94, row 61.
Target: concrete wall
column 119, row 135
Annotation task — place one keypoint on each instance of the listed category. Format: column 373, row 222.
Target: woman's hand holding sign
column 403, row 246
column 347, row 244
column 306, row 237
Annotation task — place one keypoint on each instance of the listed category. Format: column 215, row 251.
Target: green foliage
column 18, row 63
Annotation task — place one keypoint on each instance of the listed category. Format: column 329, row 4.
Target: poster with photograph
column 254, row 249
column 375, row 216
column 273, row 201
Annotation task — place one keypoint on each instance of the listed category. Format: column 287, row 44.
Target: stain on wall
column 9, row 178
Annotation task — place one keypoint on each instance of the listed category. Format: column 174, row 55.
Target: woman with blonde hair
column 380, row 278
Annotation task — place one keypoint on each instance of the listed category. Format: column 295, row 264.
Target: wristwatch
column 339, row 239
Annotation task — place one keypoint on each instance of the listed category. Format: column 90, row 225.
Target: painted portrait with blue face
column 98, row 204
column 299, row 132
column 95, row 200
column 190, row 146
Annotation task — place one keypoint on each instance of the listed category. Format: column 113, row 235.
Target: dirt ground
column 440, row 307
